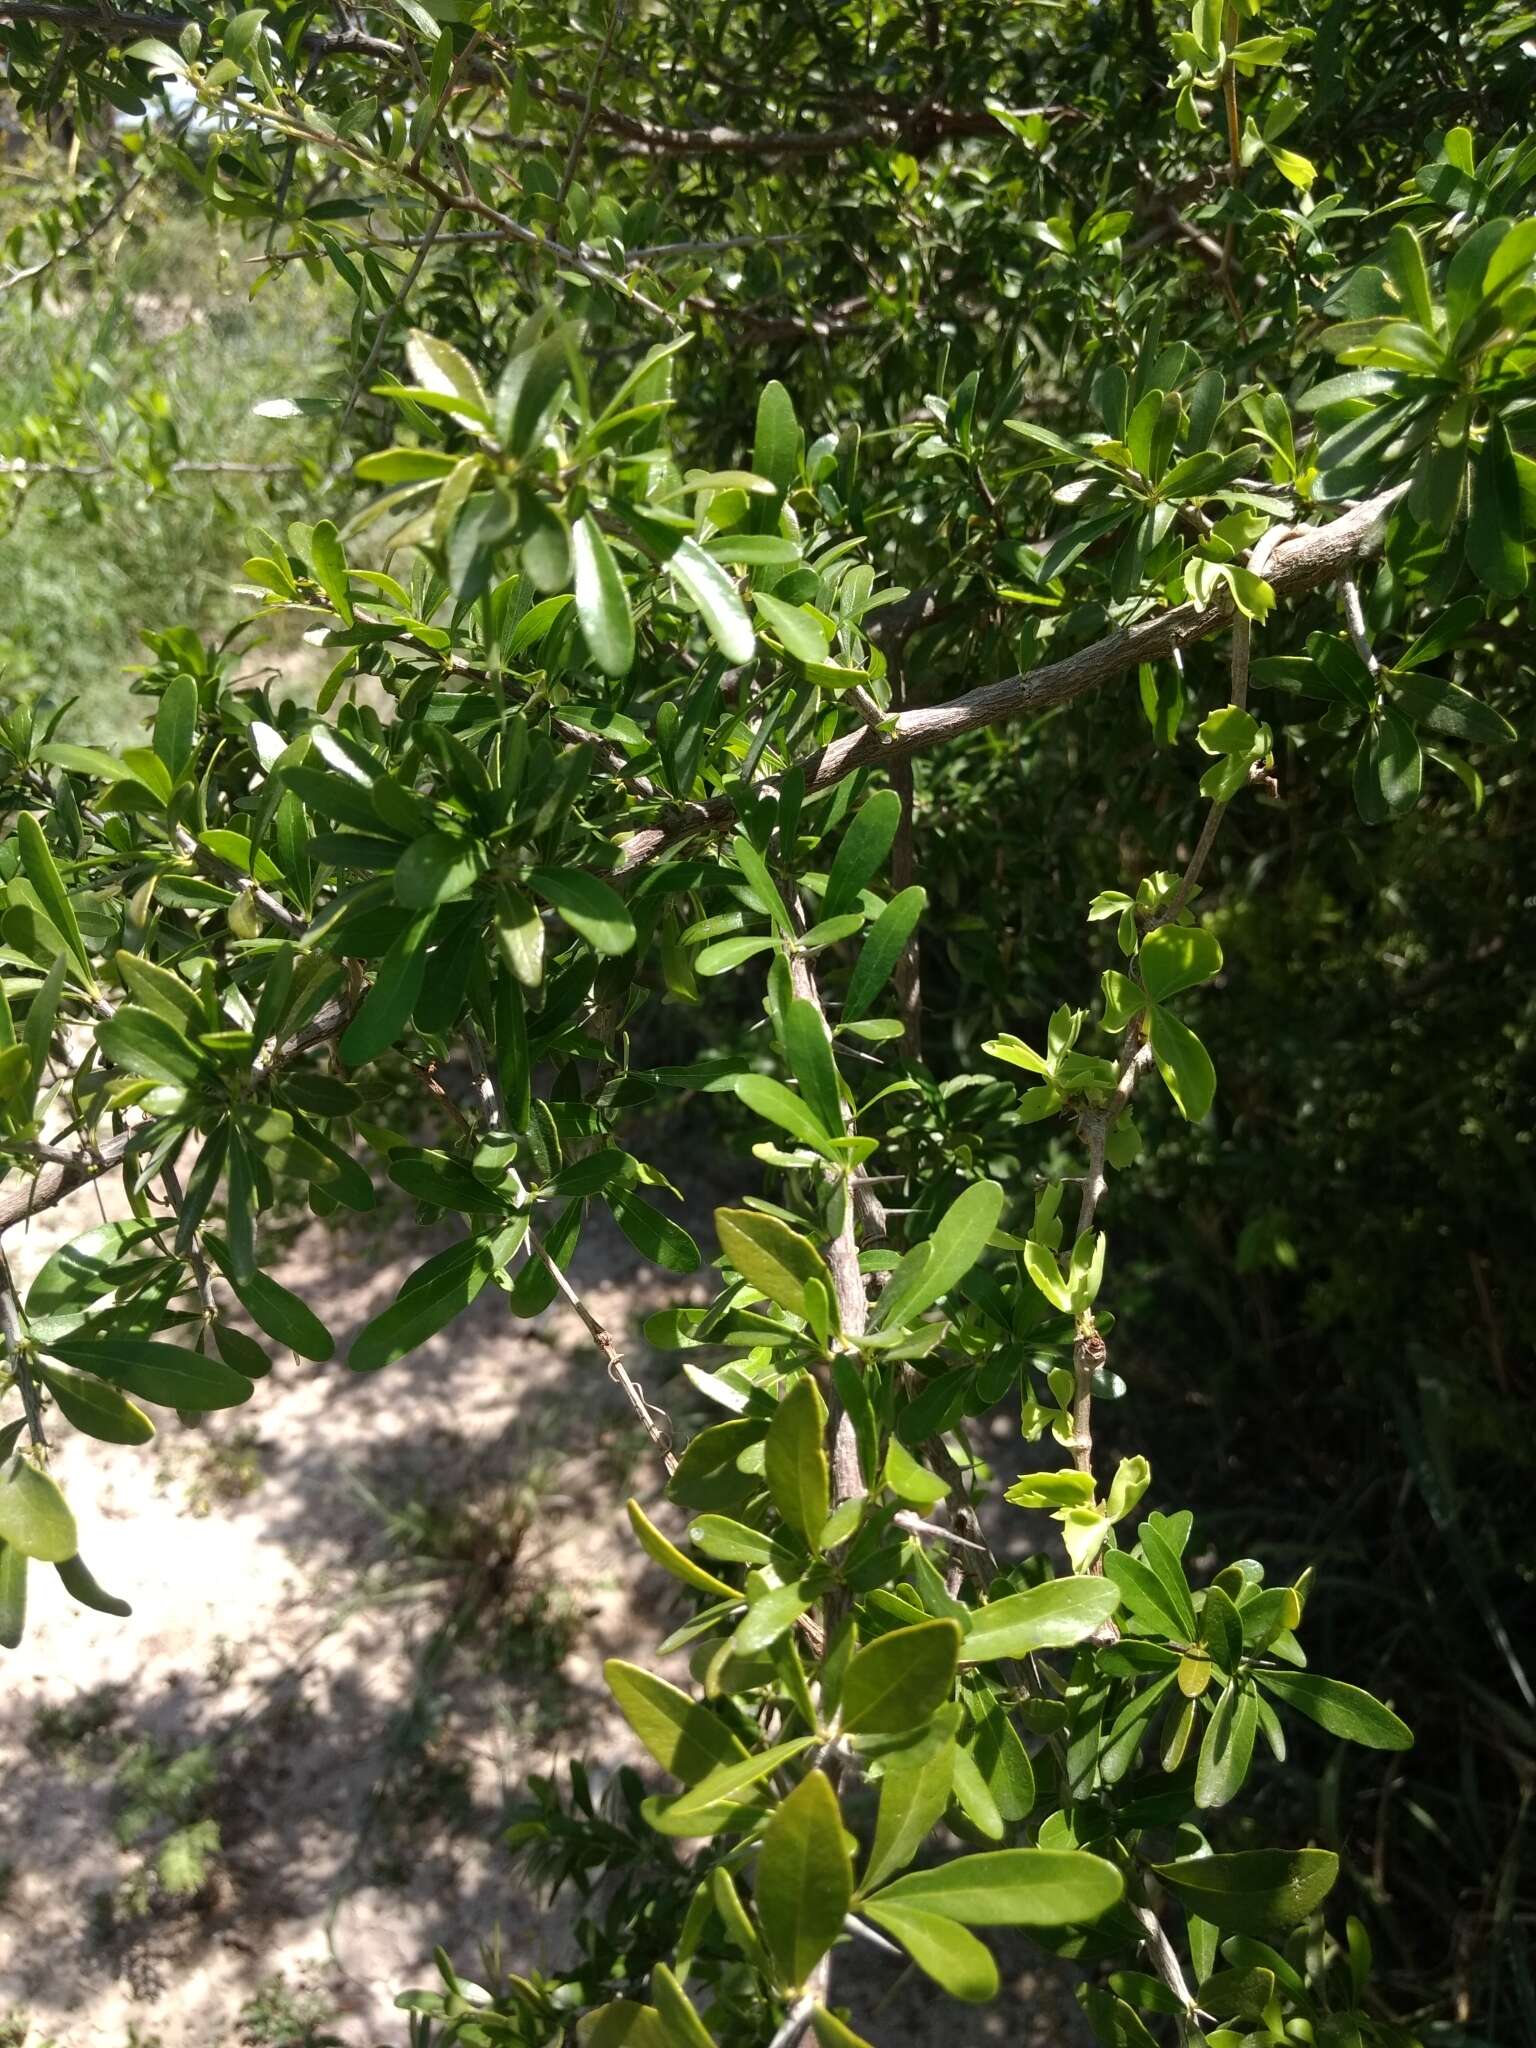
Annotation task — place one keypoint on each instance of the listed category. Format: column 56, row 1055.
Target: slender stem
column 16, row 1352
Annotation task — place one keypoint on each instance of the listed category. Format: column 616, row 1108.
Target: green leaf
column 37, row 864
column 330, row 567
column 831, row 2032
column 900, row 1679
column 804, row 1882
column 436, row 868
column 713, row 1802
column 13, row 1596
column 810, row 1059
column 34, row 1515
column 684, row 1737
column 725, row 954
column 272, row 1308
column 776, row 443
column 1011, row 1888
column 165, row 1374
column 913, row 1795
column 1048, row 1617
column 655, row 1236
column 717, row 599
column 429, row 1300
column 101, row 1411
column 1446, row 707
column 795, row 1460
column 798, row 629
column 84, row 1270
column 589, row 906
column 1344, row 1710
column 439, row 367
column 80, row 1584
column 1176, row 957
column 942, row 1949
column 143, row 1042
column 776, row 1260
column 526, row 392
column 621, row 2023
column 176, row 725
column 865, row 845
column 782, row 1106
column 1148, row 1605
column 671, row 1559
column 1226, row 1752
column 772, row 1614
column 1252, row 1891
column 1184, row 1064
column 602, row 603
column 680, row 2022
column 955, row 1246
column 885, row 945
column 1495, row 544
column 1389, row 768
column 397, row 987
column 1164, row 1561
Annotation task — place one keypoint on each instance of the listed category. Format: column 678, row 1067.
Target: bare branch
column 1314, row 556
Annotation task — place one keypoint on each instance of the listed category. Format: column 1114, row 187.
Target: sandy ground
column 365, row 1609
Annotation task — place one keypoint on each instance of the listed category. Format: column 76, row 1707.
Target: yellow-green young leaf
column 79, row 1583
column 1252, row 1891
column 831, row 2032
column 673, row 1560
column 1184, row 1064
column 97, row 1409
column 804, row 1881
column 1048, row 1617
column 1344, row 1710
column 37, row 864
column 899, row 1679
column 13, row 1596
column 795, row 1459
column 942, row 1950
column 1011, row 1888
column 1176, row 957
column 909, row 1480
column 684, row 1737
column 622, row 2024
column 679, row 2018
column 775, row 1259
column 602, row 603
column 34, row 1515
column 1040, row 1264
